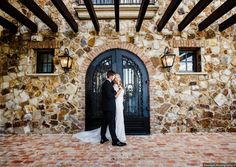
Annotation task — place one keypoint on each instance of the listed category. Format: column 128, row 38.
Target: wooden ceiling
column 61, row 7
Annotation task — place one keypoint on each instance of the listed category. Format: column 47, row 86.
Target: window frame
column 40, row 62
column 196, row 59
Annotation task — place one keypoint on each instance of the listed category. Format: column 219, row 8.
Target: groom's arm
column 109, row 91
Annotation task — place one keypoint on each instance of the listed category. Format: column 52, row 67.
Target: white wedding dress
column 94, row 136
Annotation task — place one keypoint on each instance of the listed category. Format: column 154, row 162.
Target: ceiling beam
column 141, row 15
column 117, row 14
column 13, row 12
column 197, row 9
column 61, row 7
column 224, row 8
column 8, row 25
column 32, row 6
column 168, row 13
column 92, row 14
column 227, row 23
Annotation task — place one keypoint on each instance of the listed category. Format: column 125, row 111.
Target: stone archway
column 126, row 46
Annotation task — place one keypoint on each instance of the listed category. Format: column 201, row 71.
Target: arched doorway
column 135, row 79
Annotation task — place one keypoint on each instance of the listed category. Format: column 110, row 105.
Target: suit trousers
column 109, row 119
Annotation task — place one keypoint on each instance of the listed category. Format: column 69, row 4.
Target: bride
column 94, row 136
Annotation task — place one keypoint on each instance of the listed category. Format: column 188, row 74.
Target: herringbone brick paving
column 180, row 149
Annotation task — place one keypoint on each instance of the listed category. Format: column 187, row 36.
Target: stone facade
column 202, row 102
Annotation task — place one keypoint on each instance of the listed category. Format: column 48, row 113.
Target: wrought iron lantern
column 66, row 60
column 167, row 59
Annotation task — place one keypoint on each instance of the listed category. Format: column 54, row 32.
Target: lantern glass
column 69, row 63
column 167, row 59
column 66, row 61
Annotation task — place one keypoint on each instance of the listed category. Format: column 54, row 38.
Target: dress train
column 93, row 136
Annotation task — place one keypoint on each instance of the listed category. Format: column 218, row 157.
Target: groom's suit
column 109, row 110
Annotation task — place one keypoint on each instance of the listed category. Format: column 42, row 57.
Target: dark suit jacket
column 108, row 97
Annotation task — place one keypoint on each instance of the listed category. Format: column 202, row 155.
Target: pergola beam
column 168, row 13
column 13, row 12
column 117, row 14
column 141, row 15
column 8, row 25
column 32, row 6
column 61, row 7
column 197, row 9
column 219, row 12
column 92, row 14
column 227, row 23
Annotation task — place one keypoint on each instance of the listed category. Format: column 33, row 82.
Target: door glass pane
column 133, row 89
column 99, row 77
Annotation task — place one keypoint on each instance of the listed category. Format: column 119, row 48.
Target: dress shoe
column 118, row 143
column 104, row 140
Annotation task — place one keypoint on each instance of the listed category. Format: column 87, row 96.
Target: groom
column 109, row 110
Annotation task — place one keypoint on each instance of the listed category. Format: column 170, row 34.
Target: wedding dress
column 94, row 136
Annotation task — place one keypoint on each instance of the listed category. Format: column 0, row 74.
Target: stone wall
column 178, row 103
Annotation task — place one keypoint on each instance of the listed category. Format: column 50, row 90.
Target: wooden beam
column 61, row 7
column 227, row 23
column 32, row 6
column 197, row 9
column 13, row 12
column 92, row 14
column 117, row 14
column 224, row 8
column 8, row 25
column 142, row 12
column 168, row 13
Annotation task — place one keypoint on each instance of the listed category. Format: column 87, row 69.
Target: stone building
column 198, row 94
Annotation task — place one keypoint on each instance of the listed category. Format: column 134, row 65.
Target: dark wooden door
column 135, row 79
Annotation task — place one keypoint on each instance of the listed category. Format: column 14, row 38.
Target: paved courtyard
column 155, row 150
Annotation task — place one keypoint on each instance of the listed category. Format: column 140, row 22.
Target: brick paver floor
column 165, row 150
